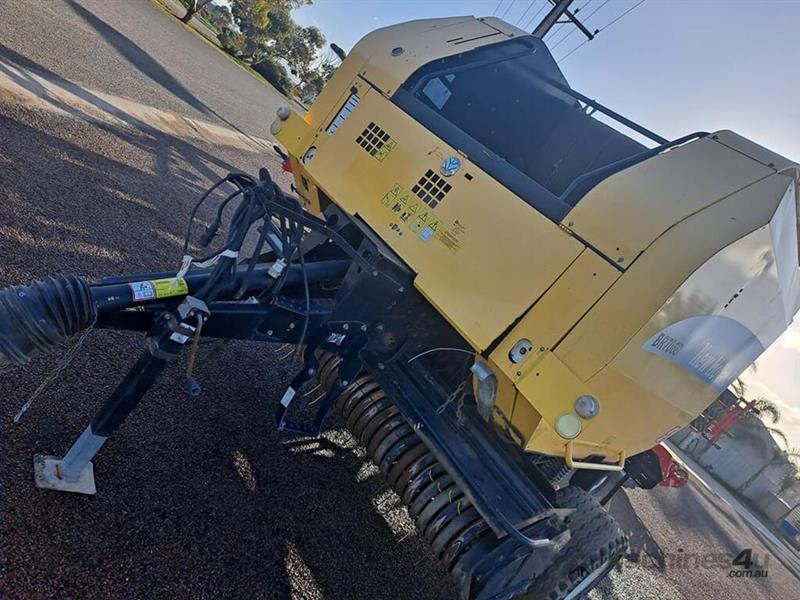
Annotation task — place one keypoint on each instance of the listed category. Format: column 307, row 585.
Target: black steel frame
column 376, row 322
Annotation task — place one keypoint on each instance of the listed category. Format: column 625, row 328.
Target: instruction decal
column 412, row 212
column 155, row 289
column 453, row 237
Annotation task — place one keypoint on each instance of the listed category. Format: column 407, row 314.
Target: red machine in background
column 673, row 475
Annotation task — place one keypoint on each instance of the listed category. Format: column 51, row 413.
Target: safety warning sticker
column 453, row 237
column 155, row 289
column 416, row 215
column 387, row 147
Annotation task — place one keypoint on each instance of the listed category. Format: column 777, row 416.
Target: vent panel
column 345, row 111
column 431, row 188
column 375, row 141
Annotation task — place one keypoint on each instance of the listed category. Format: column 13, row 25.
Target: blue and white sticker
column 713, row 348
column 142, row 290
column 450, row 166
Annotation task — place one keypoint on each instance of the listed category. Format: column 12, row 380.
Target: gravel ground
column 197, row 498
column 135, row 50
column 202, row 498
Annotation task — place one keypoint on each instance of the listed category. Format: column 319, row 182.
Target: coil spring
column 444, row 517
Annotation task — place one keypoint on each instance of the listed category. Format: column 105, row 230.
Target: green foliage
column 765, row 407
column 219, row 16
column 275, row 74
column 232, row 41
column 251, row 16
column 272, row 38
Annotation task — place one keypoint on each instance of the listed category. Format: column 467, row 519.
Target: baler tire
column 596, row 546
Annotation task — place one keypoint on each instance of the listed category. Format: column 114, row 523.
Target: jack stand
column 75, row 472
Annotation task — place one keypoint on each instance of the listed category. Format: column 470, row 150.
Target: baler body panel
column 481, row 256
column 506, row 250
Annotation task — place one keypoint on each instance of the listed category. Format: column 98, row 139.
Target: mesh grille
column 373, row 139
column 431, row 188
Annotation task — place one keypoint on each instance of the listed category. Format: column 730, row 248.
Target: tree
column 328, row 63
column 271, row 42
column 251, row 16
column 788, row 458
column 765, row 407
column 232, row 41
column 193, row 8
column 219, row 16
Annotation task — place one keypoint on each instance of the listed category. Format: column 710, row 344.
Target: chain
column 66, row 358
column 456, row 396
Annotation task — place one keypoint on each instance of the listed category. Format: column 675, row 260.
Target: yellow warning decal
column 417, row 215
column 155, row 289
column 171, row 286
column 390, row 197
column 387, row 147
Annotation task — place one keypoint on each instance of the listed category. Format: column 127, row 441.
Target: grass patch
column 200, row 17
column 246, row 68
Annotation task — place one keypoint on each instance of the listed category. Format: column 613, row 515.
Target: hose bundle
column 42, row 315
column 261, row 202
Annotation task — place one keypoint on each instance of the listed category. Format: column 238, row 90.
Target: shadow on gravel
column 643, row 547
column 146, row 64
column 140, row 59
column 197, row 498
column 59, row 222
column 164, row 147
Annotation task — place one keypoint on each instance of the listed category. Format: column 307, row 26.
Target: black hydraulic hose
column 39, row 316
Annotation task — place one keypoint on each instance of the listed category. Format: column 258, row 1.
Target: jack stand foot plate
column 44, row 476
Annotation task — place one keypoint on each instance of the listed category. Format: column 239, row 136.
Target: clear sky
column 674, row 66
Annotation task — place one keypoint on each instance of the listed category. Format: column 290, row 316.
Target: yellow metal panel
column 638, row 294
column 491, row 256
column 336, row 91
column 294, row 133
column 527, row 421
column 627, row 421
column 551, row 388
column 578, row 288
column 605, row 348
column 756, row 152
column 624, row 214
column 422, row 40
column 506, row 394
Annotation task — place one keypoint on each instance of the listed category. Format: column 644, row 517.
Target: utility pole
column 560, row 8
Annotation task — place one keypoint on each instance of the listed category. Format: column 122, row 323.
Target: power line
column 533, row 18
column 571, row 29
column 622, row 15
column 508, row 8
column 522, row 16
column 554, row 31
column 496, row 8
column 606, row 26
column 585, row 20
